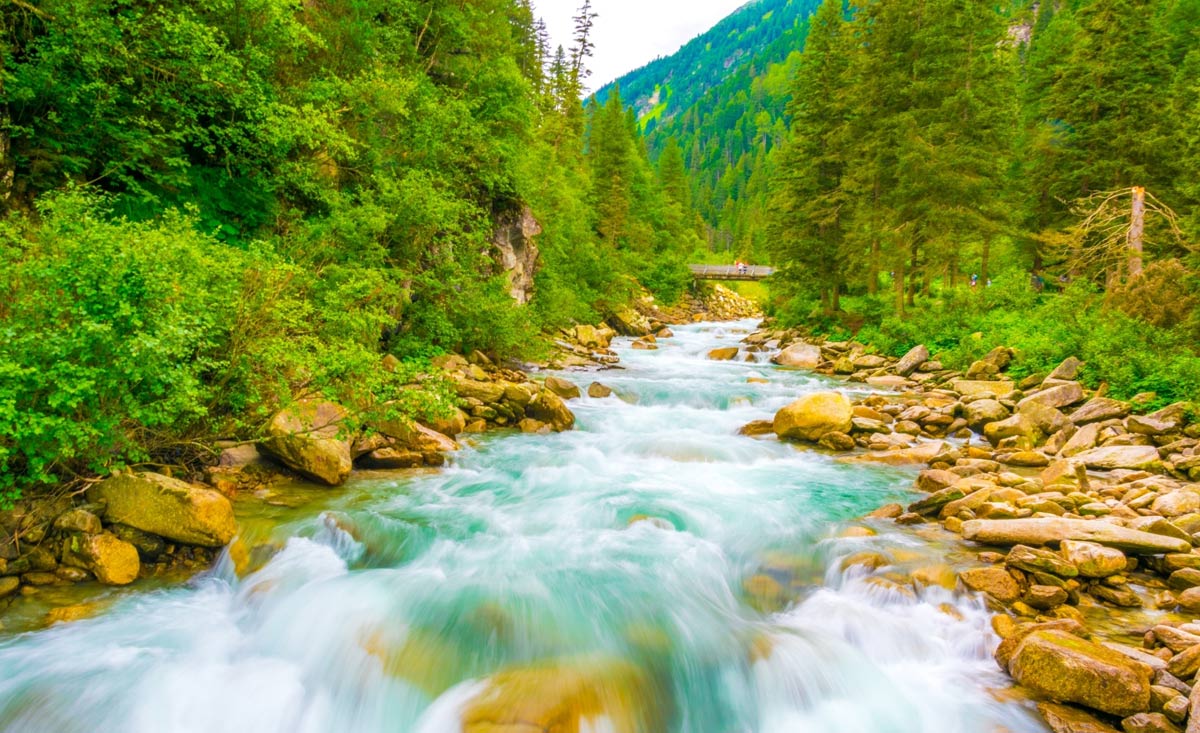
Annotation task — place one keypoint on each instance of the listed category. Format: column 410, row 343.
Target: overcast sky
column 631, row 33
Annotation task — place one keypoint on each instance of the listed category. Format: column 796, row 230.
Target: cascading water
column 627, row 550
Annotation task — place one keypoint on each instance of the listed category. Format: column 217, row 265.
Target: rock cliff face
column 517, row 253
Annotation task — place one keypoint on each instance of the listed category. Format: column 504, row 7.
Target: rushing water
column 387, row 605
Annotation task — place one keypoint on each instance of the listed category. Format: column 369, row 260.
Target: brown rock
column 813, row 416
column 1066, row 668
column 167, row 507
column 993, row 580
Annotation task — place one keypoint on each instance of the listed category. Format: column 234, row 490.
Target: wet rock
column 550, row 409
column 149, row 546
column 9, row 585
column 1017, row 426
column 1148, row 723
column 569, row 697
column 1176, row 503
column 757, row 428
column 800, row 356
column 599, row 391
column 113, row 561
column 1093, row 560
column 994, row 581
column 981, row 412
column 1068, row 719
column 1036, row 560
column 728, row 353
column 1189, row 600
column 813, row 416
column 563, row 388
column 167, row 507
column 837, row 442
column 1066, row 668
column 1099, row 409
column 1062, row 395
column 306, row 439
column 1052, row 531
column 1045, row 597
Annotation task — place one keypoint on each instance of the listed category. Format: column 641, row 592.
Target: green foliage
column 126, row 342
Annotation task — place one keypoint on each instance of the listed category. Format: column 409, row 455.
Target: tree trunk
column 913, row 273
column 836, row 305
column 898, row 286
column 1137, row 229
column 873, row 268
column 983, row 267
column 7, row 166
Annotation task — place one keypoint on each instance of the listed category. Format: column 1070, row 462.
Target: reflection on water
column 651, row 571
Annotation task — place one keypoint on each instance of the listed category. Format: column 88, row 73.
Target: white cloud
column 630, row 33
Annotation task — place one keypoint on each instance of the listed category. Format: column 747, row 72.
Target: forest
column 211, row 208
column 960, row 173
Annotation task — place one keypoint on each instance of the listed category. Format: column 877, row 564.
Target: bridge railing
column 731, row 272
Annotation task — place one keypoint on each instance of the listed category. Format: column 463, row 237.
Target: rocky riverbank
column 144, row 524
column 1084, row 514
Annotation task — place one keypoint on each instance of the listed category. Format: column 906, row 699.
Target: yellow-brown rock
column 813, row 416
column 167, row 507
column 571, row 697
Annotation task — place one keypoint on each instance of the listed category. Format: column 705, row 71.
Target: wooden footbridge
column 731, row 272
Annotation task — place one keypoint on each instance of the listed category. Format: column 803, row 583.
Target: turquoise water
column 388, row 605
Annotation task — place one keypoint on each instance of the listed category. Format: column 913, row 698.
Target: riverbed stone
column 112, row 561
column 1099, row 409
column 813, row 416
column 1176, row 503
column 981, row 412
column 1070, row 719
column 800, row 356
column 307, row 439
column 78, row 520
column 569, row 697
column 1111, row 458
column 550, row 409
column 9, row 585
column 1148, row 723
column 1062, row 395
column 563, row 388
column 598, row 391
column 1053, row 530
column 727, row 353
column 1038, row 560
column 167, row 507
column 992, row 580
column 911, row 361
column 1066, row 668
column 1093, row 560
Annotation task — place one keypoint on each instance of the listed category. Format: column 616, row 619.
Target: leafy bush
column 126, row 342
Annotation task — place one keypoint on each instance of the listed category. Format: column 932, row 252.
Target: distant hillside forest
column 935, row 170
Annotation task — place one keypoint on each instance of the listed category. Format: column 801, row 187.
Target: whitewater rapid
column 388, row 605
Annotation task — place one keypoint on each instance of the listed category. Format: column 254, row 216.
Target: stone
column 167, row 507
column 149, row 546
column 1037, row 560
column 1176, row 503
column 1017, row 426
column 932, row 480
column 911, row 361
column 391, row 459
column 549, row 408
column 800, row 356
column 1067, row 668
column 1093, row 560
column 921, row 453
column 451, row 426
column 1099, row 409
column 1148, row 723
column 994, row 581
column 887, row 511
column 981, row 412
column 598, row 391
column 567, row 697
column 516, row 250
column 1067, row 719
column 9, row 585
column 1045, row 597
column 728, row 353
column 1184, row 578
column 1116, row 457
column 1066, row 371
column 562, row 388
column 111, row 560
column 813, row 416
column 1053, row 530
column 935, row 502
column 78, row 520
column 1058, row 396
column 306, row 438
column 1084, row 439
column 757, row 428
column 1048, row 419
column 1026, row 459
column 969, row 387
column 837, row 442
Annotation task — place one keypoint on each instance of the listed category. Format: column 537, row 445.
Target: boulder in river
column 112, row 561
column 728, row 353
column 568, row 698
column 1066, row 668
column 563, row 388
column 799, row 355
column 306, row 438
column 813, row 416
column 1119, row 456
column 1053, row 530
column 598, row 391
column 167, row 507
column 549, row 408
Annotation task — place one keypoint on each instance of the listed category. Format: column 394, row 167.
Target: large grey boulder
column 1052, row 531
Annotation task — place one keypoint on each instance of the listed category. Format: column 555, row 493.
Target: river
column 625, row 544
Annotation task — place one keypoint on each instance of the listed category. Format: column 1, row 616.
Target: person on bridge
column 741, row 267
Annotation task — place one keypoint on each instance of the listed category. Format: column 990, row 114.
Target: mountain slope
column 723, row 99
